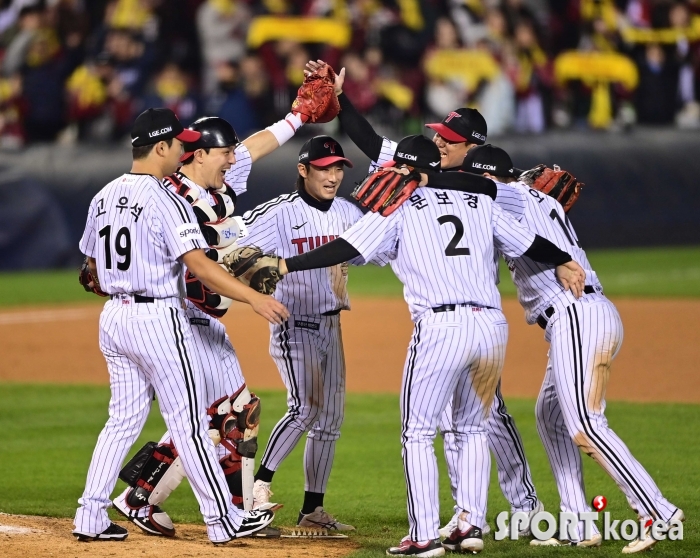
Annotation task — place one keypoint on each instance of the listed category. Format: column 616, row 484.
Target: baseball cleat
column 150, row 519
column 112, row 533
column 407, row 547
column 254, row 521
column 468, row 540
column 261, row 497
column 321, row 518
column 526, row 532
column 451, row 525
column 641, row 544
column 595, row 540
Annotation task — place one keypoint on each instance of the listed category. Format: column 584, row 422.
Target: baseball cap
column 322, row 151
column 490, row 159
column 158, row 124
column 416, row 151
column 463, row 124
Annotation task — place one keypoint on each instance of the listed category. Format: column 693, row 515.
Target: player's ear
column 302, row 170
column 199, row 155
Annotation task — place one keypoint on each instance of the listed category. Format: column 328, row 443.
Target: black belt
column 449, row 307
column 543, row 318
column 137, row 298
column 332, row 312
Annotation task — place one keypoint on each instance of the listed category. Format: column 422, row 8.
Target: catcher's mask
column 489, row 159
column 214, row 132
column 416, row 152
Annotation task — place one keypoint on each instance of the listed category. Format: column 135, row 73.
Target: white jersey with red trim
column 292, row 224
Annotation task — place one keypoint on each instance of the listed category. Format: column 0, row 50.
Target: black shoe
column 254, row 521
column 470, row 540
column 407, row 547
column 112, row 533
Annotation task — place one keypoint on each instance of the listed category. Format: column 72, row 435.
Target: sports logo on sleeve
column 189, row 232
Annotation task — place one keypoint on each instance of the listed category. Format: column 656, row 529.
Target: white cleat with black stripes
column 254, row 521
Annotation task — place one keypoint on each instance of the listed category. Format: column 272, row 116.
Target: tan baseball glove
column 253, row 268
column 316, row 100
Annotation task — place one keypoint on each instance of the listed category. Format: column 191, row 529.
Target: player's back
column 137, row 230
column 536, row 283
column 445, row 249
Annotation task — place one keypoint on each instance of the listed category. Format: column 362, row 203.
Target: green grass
column 47, row 433
column 647, row 272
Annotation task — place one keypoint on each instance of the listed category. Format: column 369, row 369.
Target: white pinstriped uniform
column 136, row 230
column 307, row 348
column 222, row 374
column 514, row 476
column 584, row 335
column 442, row 249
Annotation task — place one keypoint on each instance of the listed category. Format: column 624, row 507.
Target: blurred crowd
column 81, row 70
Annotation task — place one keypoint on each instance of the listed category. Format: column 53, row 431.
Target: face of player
column 451, row 153
column 215, row 164
column 322, row 183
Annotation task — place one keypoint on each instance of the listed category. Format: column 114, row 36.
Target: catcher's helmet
column 214, row 132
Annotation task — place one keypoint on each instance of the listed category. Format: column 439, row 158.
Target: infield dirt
column 657, row 362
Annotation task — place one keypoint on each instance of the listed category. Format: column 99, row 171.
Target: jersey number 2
column 122, row 246
column 452, row 249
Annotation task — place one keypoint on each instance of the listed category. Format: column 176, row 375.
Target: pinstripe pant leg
column 297, row 357
column 473, row 399
column 129, row 406
column 514, row 476
column 320, row 443
column 437, row 353
column 585, row 339
column 564, row 456
column 163, row 345
column 450, row 448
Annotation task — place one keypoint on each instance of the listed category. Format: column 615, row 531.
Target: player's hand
column 272, row 310
column 405, row 171
column 572, row 277
column 312, row 66
column 282, row 266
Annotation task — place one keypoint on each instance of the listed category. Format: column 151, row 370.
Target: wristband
column 284, row 130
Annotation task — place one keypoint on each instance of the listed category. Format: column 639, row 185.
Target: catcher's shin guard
column 236, row 426
column 153, row 473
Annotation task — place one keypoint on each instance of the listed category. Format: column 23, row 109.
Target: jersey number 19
column 122, row 246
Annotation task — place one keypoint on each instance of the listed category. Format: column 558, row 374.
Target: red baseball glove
column 316, row 100
column 558, row 183
column 88, row 280
column 384, row 190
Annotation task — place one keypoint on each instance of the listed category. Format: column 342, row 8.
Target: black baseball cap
column 463, row 124
column 416, row 151
column 214, row 132
column 489, row 159
column 158, row 124
column 322, row 151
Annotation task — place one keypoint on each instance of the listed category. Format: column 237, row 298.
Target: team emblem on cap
column 452, row 115
column 330, row 145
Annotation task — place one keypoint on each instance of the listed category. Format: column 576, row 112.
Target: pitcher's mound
column 23, row 536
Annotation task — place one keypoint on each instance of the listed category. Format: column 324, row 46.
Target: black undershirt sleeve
column 358, row 129
column 543, row 251
column 333, row 253
column 462, row 182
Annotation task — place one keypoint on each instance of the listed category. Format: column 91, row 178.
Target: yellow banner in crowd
column 594, row 67
column 669, row 35
column 468, row 66
column 300, row 29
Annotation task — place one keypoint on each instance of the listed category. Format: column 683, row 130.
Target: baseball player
column 585, row 335
column 460, row 131
column 308, row 348
column 214, row 172
column 459, row 339
column 137, row 238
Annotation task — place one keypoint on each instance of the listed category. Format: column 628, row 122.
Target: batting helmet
column 214, row 132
